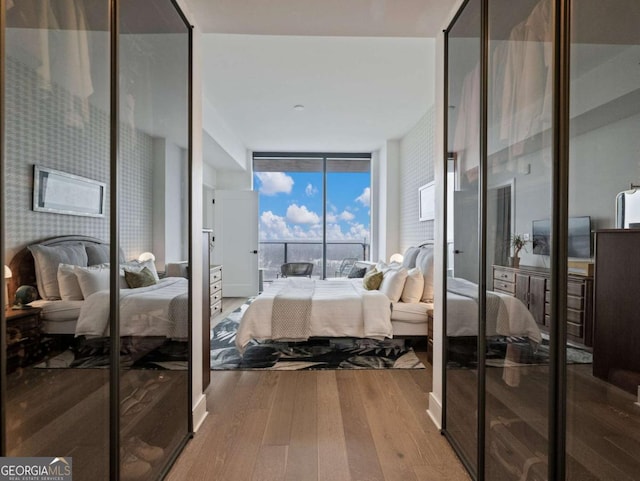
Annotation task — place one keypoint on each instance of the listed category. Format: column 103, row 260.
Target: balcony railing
column 273, row 254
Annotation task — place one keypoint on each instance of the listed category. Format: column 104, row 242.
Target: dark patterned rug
column 510, row 352
column 342, row 353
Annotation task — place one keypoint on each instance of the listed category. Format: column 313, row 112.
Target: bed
column 158, row 310
column 398, row 307
column 336, row 308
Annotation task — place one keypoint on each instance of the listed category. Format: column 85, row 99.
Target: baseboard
column 199, row 412
column 435, row 410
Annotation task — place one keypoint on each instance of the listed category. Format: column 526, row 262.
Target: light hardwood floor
column 318, row 425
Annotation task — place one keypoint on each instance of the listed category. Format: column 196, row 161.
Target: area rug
column 315, row 354
column 520, row 351
column 135, row 353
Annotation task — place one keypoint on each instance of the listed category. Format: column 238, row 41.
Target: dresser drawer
column 215, row 286
column 216, row 296
column 576, row 317
column 575, row 289
column 504, row 275
column 575, row 329
column 216, row 309
column 503, row 286
column 576, row 303
column 215, row 274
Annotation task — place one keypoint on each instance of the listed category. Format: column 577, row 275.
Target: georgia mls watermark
column 36, row 469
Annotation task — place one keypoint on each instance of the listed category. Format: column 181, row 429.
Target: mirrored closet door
column 153, row 194
column 56, row 161
column 96, row 164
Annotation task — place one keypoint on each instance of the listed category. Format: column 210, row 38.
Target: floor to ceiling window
column 313, row 208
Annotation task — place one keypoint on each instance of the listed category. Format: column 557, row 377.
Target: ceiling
column 351, row 18
column 363, row 69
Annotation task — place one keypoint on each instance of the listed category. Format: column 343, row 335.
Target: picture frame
column 59, row 192
column 427, row 202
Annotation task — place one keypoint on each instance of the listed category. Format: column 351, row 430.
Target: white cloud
column 310, row 190
column 346, row 215
column 331, row 218
column 365, row 197
column 273, row 227
column 272, row 183
column 301, row 215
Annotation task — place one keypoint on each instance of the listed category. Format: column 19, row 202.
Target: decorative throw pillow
column 68, row 283
column 136, row 266
column 48, row 258
column 393, row 283
column 144, row 278
column 372, row 280
column 357, row 272
column 424, row 262
column 413, row 287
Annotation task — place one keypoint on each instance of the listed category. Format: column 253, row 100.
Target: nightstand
column 24, row 336
column 430, row 333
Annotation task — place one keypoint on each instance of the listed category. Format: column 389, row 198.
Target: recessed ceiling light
column 298, row 107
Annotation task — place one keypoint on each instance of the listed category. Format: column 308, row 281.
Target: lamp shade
column 396, row 258
column 146, row 256
column 7, row 272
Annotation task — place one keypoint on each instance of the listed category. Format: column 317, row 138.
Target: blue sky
column 291, row 205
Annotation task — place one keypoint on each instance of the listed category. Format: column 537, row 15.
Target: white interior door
column 236, row 241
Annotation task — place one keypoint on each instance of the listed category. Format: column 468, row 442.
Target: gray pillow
column 357, row 272
column 48, row 258
column 97, row 254
column 410, row 257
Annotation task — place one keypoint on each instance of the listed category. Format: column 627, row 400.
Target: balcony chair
column 345, row 266
column 296, row 269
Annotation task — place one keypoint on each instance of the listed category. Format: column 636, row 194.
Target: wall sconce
column 146, row 256
column 7, row 275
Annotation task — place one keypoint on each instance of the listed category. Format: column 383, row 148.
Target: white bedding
column 144, row 311
column 339, row 308
column 462, row 318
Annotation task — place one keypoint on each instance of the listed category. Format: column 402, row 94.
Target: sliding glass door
column 314, row 208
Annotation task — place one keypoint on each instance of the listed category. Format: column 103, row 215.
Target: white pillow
column 413, row 287
column 68, row 283
column 393, row 283
column 424, row 262
column 92, row 279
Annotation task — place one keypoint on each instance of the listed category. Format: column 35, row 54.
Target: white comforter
column 146, row 311
column 462, row 317
column 339, row 308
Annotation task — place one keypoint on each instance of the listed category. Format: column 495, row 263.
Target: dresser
column 532, row 286
column 215, row 290
column 616, row 343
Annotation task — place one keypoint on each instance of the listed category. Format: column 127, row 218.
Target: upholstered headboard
column 22, row 265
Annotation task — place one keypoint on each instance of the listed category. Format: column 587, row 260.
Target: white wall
column 385, row 203
column 199, row 399
column 170, row 206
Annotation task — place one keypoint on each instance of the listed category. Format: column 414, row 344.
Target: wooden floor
column 318, row 426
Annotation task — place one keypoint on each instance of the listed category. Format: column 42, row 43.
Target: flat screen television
column 579, row 237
